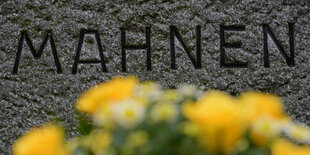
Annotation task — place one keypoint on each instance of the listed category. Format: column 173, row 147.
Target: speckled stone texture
column 38, row 94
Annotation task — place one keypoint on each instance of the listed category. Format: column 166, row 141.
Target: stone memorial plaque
column 53, row 50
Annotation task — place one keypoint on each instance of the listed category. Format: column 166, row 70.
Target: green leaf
column 85, row 125
column 82, row 151
column 255, row 151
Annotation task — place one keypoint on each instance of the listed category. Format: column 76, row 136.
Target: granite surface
column 37, row 94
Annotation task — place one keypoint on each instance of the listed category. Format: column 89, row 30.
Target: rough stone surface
column 38, row 94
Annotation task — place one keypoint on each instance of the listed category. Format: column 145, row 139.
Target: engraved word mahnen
column 174, row 33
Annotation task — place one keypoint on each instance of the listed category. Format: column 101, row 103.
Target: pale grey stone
column 38, row 94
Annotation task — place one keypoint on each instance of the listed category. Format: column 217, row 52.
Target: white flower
column 300, row 133
column 267, row 126
column 148, row 90
column 102, row 116
column 189, row 91
column 128, row 113
column 164, row 112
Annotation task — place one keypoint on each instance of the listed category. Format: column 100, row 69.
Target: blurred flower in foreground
column 218, row 118
column 103, row 116
column 299, row 133
column 190, row 129
column 128, row 117
column 46, row 140
column 189, row 91
column 164, row 112
column 137, row 138
column 265, row 130
column 106, row 93
column 256, row 105
column 263, row 113
column 170, row 95
column 284, row 147
column 148, row 92
column 97, row 141
column 128, row 113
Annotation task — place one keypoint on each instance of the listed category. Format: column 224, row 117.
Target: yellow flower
column 164, row 112
column 256, row 105
column 218, row 119
column 284, row 147
column 47, row 140
column 109, row 92
column 128, row 113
